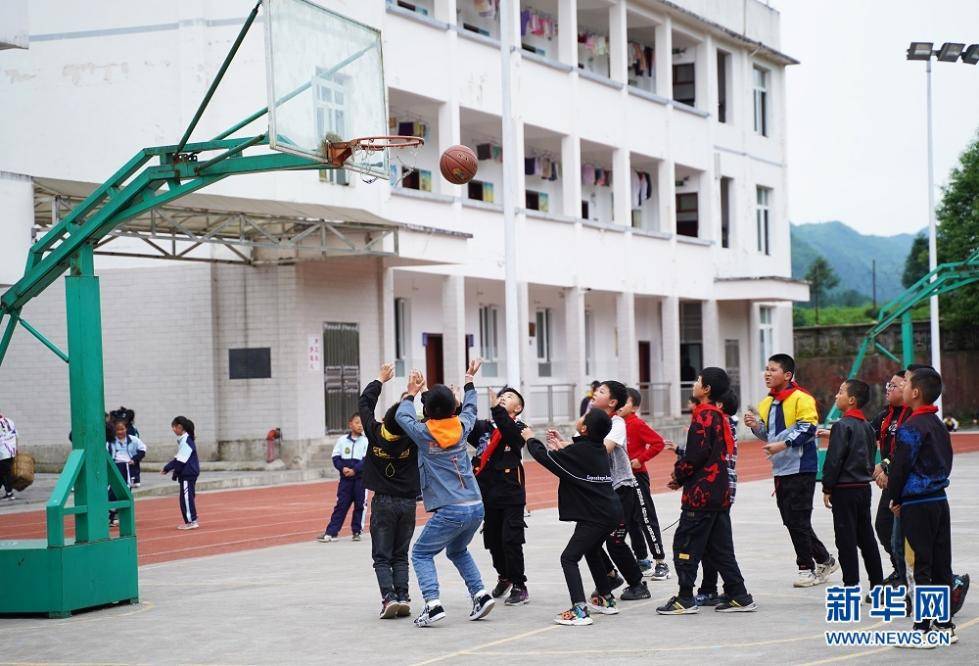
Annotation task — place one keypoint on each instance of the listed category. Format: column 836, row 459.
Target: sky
column 857, row 142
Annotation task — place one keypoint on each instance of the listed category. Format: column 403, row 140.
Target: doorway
column 434, row 359
column 644, row 361
column 341, row 373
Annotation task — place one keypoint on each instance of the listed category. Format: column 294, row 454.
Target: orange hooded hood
column 445, row 432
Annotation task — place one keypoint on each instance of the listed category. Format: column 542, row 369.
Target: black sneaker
column 948, row 628
column 707, row 599
column 960, row 587
column 661, row 571
column 482, row 604
column 389, row 607
column 503, row 586
column 518, row 596
column 635, row 592
column 742, row 604
column 679, row 606
column 9, row 496
column 430, row 615
column 894, row 580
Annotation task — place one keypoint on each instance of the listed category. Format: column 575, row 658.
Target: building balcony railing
column 655, row 398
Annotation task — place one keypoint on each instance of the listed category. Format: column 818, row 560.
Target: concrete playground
column 316, row 603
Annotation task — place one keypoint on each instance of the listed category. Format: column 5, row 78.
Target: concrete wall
column 17, row 204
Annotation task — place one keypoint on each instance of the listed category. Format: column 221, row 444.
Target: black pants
column 644, row 529
column 124, row 470
column 884, row 526
column 708, row 578
column 706, row 535
column 586, row 542
column 622, row 555
column 6, row 476
column 851, row 523
column 188, row 507
column 793, row 494
column 392, row 525
column 928, row 532
column 503, row 537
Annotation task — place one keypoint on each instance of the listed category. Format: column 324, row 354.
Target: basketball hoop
column 338, row 153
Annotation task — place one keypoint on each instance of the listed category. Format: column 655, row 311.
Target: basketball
column 458, row 165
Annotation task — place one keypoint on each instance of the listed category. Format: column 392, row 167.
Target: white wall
column 17, row 206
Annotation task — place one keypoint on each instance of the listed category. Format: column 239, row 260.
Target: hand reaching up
column 527, row 433
column 473, row 368
column 416, row 381
column 386, row 373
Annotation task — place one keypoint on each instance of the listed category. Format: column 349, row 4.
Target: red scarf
column 784, row 394
column 490, row 449
column 855, row 413
column 902, row 416
column 925, row 409
column 725, row 424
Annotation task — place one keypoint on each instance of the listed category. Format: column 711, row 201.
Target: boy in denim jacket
column 449, row 490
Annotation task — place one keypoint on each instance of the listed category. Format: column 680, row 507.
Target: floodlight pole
column 511, row 293
column 936, row 347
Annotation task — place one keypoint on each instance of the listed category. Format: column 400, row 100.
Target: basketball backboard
column 325, row 78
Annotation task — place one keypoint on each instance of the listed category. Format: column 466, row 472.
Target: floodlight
column 971, row 55
column 950, row 52
column 920, row 50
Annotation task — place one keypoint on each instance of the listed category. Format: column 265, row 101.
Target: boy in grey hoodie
column 449, row 490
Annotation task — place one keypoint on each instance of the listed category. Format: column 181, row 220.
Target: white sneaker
column 824, row 571
column 188, row 526
column 326, row 538
column 806, row 578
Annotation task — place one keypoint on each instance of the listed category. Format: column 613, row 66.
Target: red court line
column 237, row 520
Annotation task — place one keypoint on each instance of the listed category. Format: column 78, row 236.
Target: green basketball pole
column 56, row 575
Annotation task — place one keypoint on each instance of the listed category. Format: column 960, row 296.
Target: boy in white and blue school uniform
column 8, row 449
column 348, row 458
column 186, row 467
column 126, row 451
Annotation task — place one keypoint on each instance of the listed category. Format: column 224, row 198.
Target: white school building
column 652, row 226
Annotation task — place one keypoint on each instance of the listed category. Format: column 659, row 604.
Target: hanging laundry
column 487, row 8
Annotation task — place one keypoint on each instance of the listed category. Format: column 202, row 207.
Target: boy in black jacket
column 391, row 471
column 585, row 497
column 500, row 475
column 885, row 426
column 705, row 518
column 919, row 475
column 847, row 473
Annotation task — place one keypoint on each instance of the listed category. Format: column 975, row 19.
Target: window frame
column 760, row 90
column 402, row 335
column 766, row 333
column 763, row 217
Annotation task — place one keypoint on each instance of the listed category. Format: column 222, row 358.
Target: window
column 723, row 65
column 329, row 104
column 766, row 333
column 725, row 211
column 683, row 84
column 481, row 191
column 255, row 363
column 732, row 364
column 538, row 201
column 761, row 100
column 544, row 342
column 401, row 336
column 589, row 342
column 762, row 220
column 686, row 214
column 489, row 316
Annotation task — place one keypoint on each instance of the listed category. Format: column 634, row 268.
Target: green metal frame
column 57, row 575
column 944, row 279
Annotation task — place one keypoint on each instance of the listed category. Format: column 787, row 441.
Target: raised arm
column 367, row 404
column 406, row 416
column 468, row 413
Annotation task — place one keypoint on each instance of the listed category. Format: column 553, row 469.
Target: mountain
column 851, row 254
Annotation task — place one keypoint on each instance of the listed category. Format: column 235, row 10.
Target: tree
column 916, row 264
column 958, row 233
column 821, row 278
